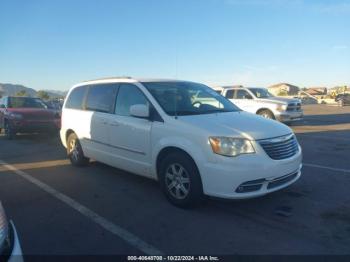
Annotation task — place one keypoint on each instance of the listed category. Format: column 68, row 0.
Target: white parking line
column 109, row 226
column 327, row 167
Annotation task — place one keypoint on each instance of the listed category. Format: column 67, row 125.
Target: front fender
column 198, row 154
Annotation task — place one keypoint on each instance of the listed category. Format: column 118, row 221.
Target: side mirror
column 248, row 97
column 141, row 111
column 2, row 106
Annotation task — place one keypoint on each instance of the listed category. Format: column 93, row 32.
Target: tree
column 43, row 95
column 21, row 93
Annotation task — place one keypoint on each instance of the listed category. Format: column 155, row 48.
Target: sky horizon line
column 209, row 84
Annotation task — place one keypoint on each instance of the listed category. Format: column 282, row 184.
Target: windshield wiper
column 185, row 113
column 217, row 111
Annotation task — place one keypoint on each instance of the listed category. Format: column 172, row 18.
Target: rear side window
column 229, row 94
column 129, row 95
column 101, row 98
column 76, row 97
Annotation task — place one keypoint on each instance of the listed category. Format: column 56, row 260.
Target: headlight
column 281, row 107
column 3, row 228
column 229, row 146
column 16, row 116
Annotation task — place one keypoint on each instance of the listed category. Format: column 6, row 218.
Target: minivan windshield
column 26, row 102
column 261, row 92
column 187, row 98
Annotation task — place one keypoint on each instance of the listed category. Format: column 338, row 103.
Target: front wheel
column 75, row 152
column 180, row 180
column 266, row 114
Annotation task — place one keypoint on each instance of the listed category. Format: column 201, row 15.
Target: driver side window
column 128, row 95
column 242, row 94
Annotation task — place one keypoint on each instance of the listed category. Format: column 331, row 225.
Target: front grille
column 280, row 148
column 281, row 180
column 294, row 107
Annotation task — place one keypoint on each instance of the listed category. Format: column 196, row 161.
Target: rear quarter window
column 76, row 98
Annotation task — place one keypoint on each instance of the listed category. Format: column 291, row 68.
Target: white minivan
column 192, row 140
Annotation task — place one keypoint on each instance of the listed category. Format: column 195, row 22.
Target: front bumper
column 289, row 116
column 34, row 125
column 223, row 178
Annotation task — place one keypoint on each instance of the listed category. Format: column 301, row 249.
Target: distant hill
column 56, row 93
column 12, row 90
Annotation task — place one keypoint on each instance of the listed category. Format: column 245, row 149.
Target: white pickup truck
column 259, row 101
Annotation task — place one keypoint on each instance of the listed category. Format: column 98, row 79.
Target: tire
column 9, row 132
column 266, row 114
column 180, row 180
column 75, row 152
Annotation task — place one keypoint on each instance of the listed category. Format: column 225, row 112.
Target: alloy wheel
column 177, row 181
column 73, row 149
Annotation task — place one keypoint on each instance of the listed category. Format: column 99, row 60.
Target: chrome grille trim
column 294, row 107
column 281, row 147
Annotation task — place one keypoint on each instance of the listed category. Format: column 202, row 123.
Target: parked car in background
column 343, row 99
column 55, row 104
column 27, row 115
column 260, row 101
column 10, row 248
column 192, row 140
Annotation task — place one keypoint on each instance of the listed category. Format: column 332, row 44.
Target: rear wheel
column 266, row 114
column 180, row 180
column 9, row 132
column 75, row 152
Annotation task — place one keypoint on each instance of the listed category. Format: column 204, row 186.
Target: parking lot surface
column 59, row 209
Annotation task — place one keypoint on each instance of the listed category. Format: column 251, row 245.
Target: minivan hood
column 238, row 124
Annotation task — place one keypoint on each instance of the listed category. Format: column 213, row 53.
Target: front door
column 130, row 137
column 244, row 100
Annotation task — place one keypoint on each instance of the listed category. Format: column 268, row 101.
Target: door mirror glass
column 139, row 110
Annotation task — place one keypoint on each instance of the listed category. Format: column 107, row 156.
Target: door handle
column 114, row 123
column 103, row 122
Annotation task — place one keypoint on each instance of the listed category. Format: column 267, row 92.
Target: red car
column 27, row 115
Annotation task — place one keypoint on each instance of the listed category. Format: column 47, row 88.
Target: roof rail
column 112, row 77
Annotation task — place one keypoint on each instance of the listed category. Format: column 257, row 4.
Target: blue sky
column 55, row 44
